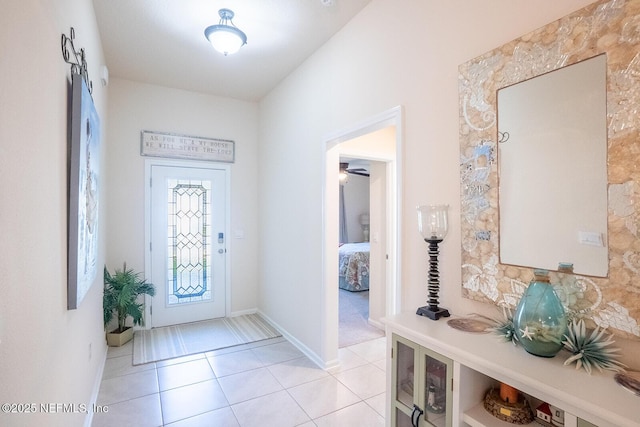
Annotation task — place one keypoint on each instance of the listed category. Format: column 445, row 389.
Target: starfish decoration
column 526, row 333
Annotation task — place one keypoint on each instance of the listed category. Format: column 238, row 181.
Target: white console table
column 481, row 360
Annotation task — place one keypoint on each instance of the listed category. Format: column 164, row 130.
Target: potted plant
column 121, row 292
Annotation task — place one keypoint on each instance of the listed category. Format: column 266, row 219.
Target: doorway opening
column 377, row 143
column 360, row 263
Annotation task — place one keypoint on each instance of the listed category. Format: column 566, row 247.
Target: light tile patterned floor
column 269, row 383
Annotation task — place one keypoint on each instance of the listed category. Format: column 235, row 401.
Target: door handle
column 416, row 419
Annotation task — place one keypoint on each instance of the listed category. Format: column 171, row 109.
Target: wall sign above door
column 174, row 146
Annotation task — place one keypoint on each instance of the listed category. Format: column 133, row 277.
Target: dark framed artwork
column 83, row 193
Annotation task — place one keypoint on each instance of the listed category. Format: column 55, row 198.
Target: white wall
column 48, row 354
column 378, row 281
column 135, row 107
column 395, row 52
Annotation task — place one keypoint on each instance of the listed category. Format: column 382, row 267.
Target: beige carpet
column 181, row 340
column 354, row 319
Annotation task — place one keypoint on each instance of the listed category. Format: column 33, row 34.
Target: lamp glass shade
column 225, row 39
column 433, row 221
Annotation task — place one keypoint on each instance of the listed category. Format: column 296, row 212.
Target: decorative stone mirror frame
column 611, row 27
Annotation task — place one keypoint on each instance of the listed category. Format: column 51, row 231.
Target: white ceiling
column 162, row 41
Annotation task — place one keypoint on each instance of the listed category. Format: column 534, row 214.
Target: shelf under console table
column 482, row 360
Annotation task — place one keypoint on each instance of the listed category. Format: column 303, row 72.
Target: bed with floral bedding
column 354, row 267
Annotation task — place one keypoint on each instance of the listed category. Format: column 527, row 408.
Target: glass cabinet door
column 421, row 386
column 404, row 388
column 405, row 373
column 436, row 394
column 402, row 419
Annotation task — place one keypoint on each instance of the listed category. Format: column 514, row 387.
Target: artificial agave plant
column 504, row 327
column 591, row 350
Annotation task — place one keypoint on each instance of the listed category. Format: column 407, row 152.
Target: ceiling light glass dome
column 225, row 37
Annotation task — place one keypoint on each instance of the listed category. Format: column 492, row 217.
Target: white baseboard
column 88, row 420
column 243, row 312
column 328, row 366
column 376, row 324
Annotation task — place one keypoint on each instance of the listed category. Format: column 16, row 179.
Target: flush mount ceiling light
column 225, row 37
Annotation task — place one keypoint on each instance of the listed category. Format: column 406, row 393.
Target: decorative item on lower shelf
column 508, row 393
column 436, row 386
column 518, row 412
column 436, row 399
column 550, row 416
column 543, row 414
column 557, row 416
column 591, row 351
column 407, row 386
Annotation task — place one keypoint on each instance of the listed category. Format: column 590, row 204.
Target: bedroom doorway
column 359, row 268
column 378, row 142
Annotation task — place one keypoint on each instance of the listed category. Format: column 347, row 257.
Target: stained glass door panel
column 188, row 241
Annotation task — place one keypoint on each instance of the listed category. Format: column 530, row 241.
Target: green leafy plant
column 504, row 327
column 591, row 350
column 121, row 291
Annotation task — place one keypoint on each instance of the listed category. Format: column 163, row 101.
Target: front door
column 187, row 233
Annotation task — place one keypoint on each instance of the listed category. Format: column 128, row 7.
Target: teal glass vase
column 540, row 321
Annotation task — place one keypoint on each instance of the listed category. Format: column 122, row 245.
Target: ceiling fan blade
column 358, row 171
